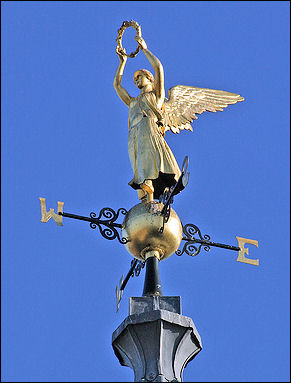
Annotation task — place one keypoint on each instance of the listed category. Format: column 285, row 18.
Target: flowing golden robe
column 150, row 156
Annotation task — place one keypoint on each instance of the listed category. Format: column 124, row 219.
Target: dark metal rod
column 212, row 244
column 128, row 275
column 94, row 220
column 76, row 216
column 152, row 281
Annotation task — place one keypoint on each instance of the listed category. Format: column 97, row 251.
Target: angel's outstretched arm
column 159, row 71
column 122, row 92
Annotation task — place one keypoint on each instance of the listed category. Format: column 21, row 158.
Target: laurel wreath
column 127, row 24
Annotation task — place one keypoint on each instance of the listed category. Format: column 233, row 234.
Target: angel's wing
column 186, row 101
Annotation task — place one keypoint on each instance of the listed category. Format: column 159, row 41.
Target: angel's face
column 141, row 80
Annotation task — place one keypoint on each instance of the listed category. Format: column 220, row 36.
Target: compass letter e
column 241, row 254
column 46, row 216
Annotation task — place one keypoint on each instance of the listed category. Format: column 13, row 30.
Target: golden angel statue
column 151, row 114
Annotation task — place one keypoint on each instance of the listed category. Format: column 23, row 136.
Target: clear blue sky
column 64, row 137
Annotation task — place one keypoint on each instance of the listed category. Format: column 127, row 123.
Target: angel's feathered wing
column 186, row 101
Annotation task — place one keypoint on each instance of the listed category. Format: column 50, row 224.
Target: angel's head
column 143, row 78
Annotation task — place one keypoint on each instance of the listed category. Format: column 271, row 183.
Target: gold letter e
column 241, row 254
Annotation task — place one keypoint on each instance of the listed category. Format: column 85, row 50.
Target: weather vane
column 151, row 230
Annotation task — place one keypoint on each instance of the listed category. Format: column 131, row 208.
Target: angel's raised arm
column 122, row 92
column 159, row 71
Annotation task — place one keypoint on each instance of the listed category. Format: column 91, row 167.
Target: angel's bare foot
column 142, row 195
column 150, row 197
column 147, row 187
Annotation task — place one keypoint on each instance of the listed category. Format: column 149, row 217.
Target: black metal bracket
column 190, row 247
column 167, row 198
column 135, row 269
column 107, row 218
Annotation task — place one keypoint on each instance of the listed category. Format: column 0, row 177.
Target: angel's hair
column 147, row 73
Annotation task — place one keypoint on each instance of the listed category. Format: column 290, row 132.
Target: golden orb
column 141, row 226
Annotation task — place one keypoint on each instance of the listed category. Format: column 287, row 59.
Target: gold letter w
column 46, row 216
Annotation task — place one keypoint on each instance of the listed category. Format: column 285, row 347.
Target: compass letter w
column 46, row 216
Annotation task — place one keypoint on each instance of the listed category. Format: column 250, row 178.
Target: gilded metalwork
column 185, row 102
column 151, row 114
column 152, row 231
column 241, row 255
column 47, row 215
column 142, row 228
column 120, row 32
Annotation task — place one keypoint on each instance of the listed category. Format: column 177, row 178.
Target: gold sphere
column 141, row 226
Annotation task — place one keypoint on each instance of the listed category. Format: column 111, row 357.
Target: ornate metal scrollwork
column 190, row 246
column 167, row 199
column 190, row 230
column 137, row 269
column 109, row 232
column 193, row 245
column 191, row 249
column 107, row 218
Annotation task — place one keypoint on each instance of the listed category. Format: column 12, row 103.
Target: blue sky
column 64, row 138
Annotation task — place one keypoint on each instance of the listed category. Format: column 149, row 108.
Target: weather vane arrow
column 108, row 228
